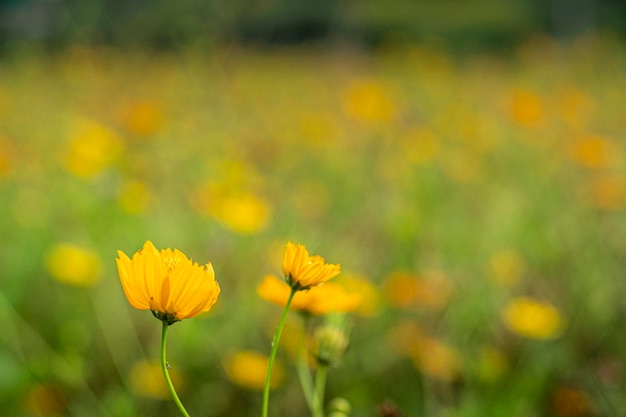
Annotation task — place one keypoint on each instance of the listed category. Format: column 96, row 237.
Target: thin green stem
column 270, row 365
column 166, row 374
column 320, row 386
column 302, row 367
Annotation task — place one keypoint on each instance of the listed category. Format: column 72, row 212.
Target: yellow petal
column 131, row 289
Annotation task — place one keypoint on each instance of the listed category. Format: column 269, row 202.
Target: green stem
column 320, row 386
column 302, row 367
column 166, row 374
column 270, row 365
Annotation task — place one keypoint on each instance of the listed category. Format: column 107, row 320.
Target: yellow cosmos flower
column 369, row 101
column 406, row 290
column 73, row 265
column 247, row 369
column 325, row 299
column 303, row 271
column 244, row 213
column 143, row 118
column 370, row 297
column 533, row 319
column 526, row 108
column 436, row 359
column 594, row 152
column 167, row 283
column 92, row 149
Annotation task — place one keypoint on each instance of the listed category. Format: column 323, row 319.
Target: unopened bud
column 329, row 344
column 340, row 405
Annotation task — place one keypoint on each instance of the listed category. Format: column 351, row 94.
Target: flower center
column 171, row 262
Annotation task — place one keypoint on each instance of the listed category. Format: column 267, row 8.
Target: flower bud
column 330, row 341
column 340, row 405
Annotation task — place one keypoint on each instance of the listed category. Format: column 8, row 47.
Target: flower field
column 475, row 203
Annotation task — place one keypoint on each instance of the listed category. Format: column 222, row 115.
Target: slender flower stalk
column 166, row 373
column 302, row 366
column 279, row 330
column 320, row 387
column 305, row 379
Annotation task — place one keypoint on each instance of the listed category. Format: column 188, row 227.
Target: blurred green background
column 462, row 160
column 162, row 23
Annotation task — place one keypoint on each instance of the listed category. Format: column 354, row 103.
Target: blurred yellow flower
column 243, row 213
column 406, row 290
column 401, row 288
column 507, row 266
column 91, row 149
column 73, row 265
column 368, row 292
column 248, row 369
column 323, row 299
column 233, row 195
column 142, row 118
column 145, row 379
column 134, row 197
column 607, row 192
column 526, row 108
column 594, row 151
column 532, row 318
column 435, row 358
column 167, row 283
column 367, row 100
column 303, row 271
